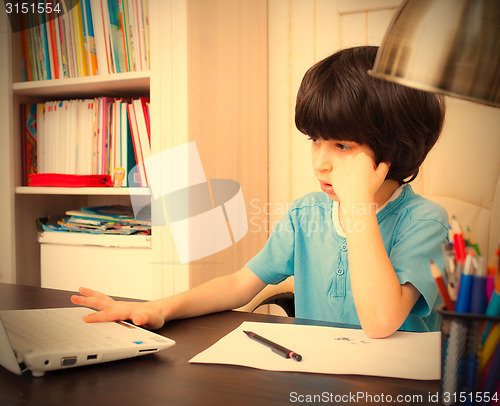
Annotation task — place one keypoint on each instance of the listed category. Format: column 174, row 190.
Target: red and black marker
column 278, row 349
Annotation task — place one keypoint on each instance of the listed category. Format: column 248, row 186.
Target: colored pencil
column 443, row 291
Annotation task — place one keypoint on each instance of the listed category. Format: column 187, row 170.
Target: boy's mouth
column 326, row 187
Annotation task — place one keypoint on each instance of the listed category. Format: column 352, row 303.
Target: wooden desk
column 168, row 379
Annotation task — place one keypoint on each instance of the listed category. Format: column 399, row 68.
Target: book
column 65, row 180
column 24, row 52
column 89, row 40
column 50, row 44
column 134, row 35
column 126, row 36
column 63, row 46
column 93, row 37
column 128, row 152
column 112, row 213
column 77, row 225
column 41, row 150
column 141, row 28
column 69, row 34
column 145, row 30
column 44, row 46
column 80, row 55
column 139, row 157
column 107, row 36
column 83, row 137
column 116, row 31
column 34, row 41
column 28, row 140
column 99, row 37
column 143, row 126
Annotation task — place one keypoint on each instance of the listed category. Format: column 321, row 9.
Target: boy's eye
column 314, row 140
column 343, row 147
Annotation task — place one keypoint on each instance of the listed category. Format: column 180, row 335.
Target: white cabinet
column 115, row 264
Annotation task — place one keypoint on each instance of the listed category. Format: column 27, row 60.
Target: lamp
column 444, row 46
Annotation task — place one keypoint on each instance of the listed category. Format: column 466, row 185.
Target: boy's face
column 329, row 154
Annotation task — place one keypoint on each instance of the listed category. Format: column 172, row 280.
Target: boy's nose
column 323, row 163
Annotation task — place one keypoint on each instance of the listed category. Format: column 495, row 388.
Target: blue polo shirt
column 306, row 244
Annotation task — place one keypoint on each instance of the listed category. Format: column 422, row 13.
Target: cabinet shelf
column 102, row 191
column 117, row 84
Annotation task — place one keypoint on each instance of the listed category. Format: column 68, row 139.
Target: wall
column 227, row 71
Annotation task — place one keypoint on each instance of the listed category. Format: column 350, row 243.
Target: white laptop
column 48, row 339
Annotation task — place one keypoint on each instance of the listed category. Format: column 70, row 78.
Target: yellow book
column 80, row 41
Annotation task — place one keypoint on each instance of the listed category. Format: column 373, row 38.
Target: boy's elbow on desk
column 380, row 326
column 376, row 332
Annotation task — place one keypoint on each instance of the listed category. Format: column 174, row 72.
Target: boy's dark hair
column 339, row 100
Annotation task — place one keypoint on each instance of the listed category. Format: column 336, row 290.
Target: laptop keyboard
column 56, row 329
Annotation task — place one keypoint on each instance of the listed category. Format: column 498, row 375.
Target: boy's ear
column 388, row 167
column 378, row 162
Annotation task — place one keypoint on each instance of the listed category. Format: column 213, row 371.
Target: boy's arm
column 222, row 293
column 382, row 303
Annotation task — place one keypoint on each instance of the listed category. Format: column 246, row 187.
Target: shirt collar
column 335, row 209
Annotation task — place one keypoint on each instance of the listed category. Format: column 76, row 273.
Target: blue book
column 45, row 47
column 116, row 36
column 88, row 26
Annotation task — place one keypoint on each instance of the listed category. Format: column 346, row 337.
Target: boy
column 360, row 249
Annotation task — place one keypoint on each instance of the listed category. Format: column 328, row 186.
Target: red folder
column 63, row 180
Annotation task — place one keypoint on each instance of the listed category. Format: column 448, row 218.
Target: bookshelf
column 85, row 191
column 116, row 84
column 207, row 83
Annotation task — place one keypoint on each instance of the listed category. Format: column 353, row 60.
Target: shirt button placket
column 340, row 272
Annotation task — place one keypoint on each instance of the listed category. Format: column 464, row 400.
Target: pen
column 458, row 240
column 478, row 289
column 493, row 309
column 436, row 274
column 493, row 378
column 451, row 270
column 492, row 272
column 278, row 349
column 489, row 346
column 464, row 292
column 490, row 281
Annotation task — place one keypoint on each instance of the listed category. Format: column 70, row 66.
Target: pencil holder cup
column 470, row 359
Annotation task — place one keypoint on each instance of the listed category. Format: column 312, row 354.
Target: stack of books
column 101, row 136
column 93, row 37
column 113, row 219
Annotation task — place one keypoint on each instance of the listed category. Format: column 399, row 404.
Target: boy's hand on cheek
column 356, row 178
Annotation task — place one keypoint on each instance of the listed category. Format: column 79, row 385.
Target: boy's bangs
column 330, row 118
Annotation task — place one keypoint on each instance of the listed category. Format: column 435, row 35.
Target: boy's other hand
column 140, row 313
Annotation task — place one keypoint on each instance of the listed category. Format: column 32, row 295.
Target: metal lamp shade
column 444, row 46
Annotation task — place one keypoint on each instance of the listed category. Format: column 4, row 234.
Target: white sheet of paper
column 330, row 350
